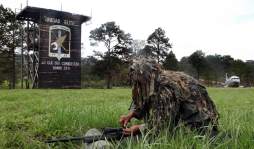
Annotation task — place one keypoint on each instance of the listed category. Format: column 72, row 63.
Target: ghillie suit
column 165, row 99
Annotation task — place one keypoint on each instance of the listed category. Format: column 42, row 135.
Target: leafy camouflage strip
column 165, row 98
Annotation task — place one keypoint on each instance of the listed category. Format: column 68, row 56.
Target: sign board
column 59, row 46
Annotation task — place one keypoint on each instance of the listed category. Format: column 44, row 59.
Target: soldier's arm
column 133, row 113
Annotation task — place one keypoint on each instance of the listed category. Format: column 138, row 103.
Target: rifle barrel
column 87, row 139
column 109, row 133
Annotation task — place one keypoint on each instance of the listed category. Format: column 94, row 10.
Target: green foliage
column 170, row 62
column 212, row 68
column 216, row 71
column 249, row 74
column 238, row 67
column 10, row 29
column 185, row 66
column 94, row 72
column 5, row 84
column 117, row 43
column 147, row 51
column 198, row 61
column 158, row 44
column 115, row 40
column 88, row 78
column 28, row 117
column 227, row 62
column 7, row 26
column 9, row 39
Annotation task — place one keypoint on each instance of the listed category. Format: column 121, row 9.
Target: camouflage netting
column 167, row 98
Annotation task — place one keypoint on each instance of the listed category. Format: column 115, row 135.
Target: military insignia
column 59, row 41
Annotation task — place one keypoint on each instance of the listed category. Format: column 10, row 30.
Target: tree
column 185, row 66
column 9, row 39
column 147, row 51
column 170, row 62
column 216, row 68
column 198, row 61
column 249, row 74
column 238, row 67
column 159, row 44
column 87, row 65
column 227, row 63
column 117, row 43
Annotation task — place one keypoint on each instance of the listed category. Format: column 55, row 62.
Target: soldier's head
column 142, row 69
column 143, row 74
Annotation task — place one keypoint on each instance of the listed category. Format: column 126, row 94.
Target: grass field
column 30, row 116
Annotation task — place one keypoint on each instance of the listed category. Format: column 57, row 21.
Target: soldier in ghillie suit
column 167, row 99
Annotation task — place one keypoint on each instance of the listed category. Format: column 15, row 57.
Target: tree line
column 110, row 68
column 212, row 69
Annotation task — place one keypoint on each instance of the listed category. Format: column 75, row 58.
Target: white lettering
column 69, row 22
column 57, row 67
column 51, row 20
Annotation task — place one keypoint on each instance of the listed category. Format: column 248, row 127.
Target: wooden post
column 27, row 57
column 22, row 58
column 13, row 60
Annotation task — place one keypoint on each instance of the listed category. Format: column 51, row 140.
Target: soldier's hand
column 133, row 130
column 124, row 120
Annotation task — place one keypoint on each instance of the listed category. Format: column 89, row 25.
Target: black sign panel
column 60, row 53
column 59, row 46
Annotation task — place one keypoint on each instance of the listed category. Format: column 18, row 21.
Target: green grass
column 30, row 116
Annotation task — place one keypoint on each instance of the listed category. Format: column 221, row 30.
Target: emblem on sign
column 59, row 41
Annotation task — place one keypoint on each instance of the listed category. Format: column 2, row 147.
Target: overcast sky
column 213, row 26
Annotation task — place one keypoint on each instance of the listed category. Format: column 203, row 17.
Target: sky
column 224, row 27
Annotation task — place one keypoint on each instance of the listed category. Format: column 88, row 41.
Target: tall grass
column 28, row 117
